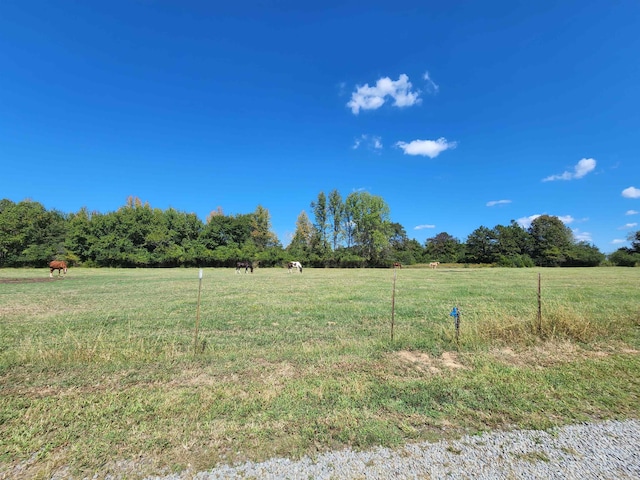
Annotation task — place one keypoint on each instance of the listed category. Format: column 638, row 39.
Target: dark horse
column 57, row 265
column 397, row 265
column 246, row 265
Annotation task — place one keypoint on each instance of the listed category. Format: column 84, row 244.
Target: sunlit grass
column 103, row 366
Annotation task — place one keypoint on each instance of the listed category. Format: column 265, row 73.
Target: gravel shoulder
column 607, row 450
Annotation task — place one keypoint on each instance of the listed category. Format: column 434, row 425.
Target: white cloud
column 422, row 227
column 371, row 142
column 617, row 241
column 631, row 192
column 581, row 236
column 583, row 167
column 628, row 226
column 632, row 212
column 493, row 203
column 372, row 98
column 426, row 148
column 566, row 219
column 431, row 85
column 525, row 222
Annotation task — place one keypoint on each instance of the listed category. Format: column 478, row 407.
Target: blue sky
column 458, row 114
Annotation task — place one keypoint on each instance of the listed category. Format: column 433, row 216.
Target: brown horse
column 397, row 265
column 57, row 265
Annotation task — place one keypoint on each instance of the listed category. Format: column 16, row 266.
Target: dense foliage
column 628, row 256
column 354, row 232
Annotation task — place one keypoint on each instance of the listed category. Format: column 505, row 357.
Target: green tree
column 222, row 231
column 551, row 239
column 634, row 238
column 370, row 217
column 321, row 214
column 302, row 241
column 29, row 234
column 628, row 256
column 624, row 257
column 512, row 240
column 403, row 249
column 443, row 248
column 110, row 247
column 79, row 238
column 583, row 254
column 336, row 212
column 481, row 246
column 261, row 232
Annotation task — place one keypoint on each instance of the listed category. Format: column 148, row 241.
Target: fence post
column 455, row 313
column 393, row 302
column 195, row 339
column 539, row 308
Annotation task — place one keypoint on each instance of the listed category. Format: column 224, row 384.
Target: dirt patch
column 426, row 363
column 450, row 360
column 540, row 356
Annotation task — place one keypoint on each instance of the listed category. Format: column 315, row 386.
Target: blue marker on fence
column 455, row 313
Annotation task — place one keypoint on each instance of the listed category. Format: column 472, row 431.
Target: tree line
column 356, row 231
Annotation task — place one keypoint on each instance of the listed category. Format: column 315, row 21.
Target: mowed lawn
column 100, row 372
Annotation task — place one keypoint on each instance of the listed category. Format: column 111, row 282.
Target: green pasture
column 101, row 373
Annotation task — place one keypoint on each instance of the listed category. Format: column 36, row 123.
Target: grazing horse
column 296, row 265
column 397, row 265
column 434, row 264
column 57, row 265
column 246, row 265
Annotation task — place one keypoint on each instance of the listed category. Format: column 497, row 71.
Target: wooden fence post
column 539, row 308
column 195, row 339
column 393, row 302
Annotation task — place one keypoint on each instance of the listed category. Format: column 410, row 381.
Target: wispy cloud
column 618, row 241
column 422, row 227
column 632, row 212
column 426, row 148
column 583, row 167
column 628, row 226
column 493, row 203
column 432, row 87
column 566, row 219
column 631, row 192
column 372, row 98
column 370, row 142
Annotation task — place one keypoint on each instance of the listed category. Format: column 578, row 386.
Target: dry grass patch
column 423, row 362
column 552, row 353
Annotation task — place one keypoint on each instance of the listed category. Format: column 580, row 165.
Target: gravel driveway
column 608, row 450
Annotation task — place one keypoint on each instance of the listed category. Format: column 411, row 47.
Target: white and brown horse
column 434, row 264
column 296, row 265
column 57, row 265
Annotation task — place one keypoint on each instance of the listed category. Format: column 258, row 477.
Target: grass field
column 100, row 371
